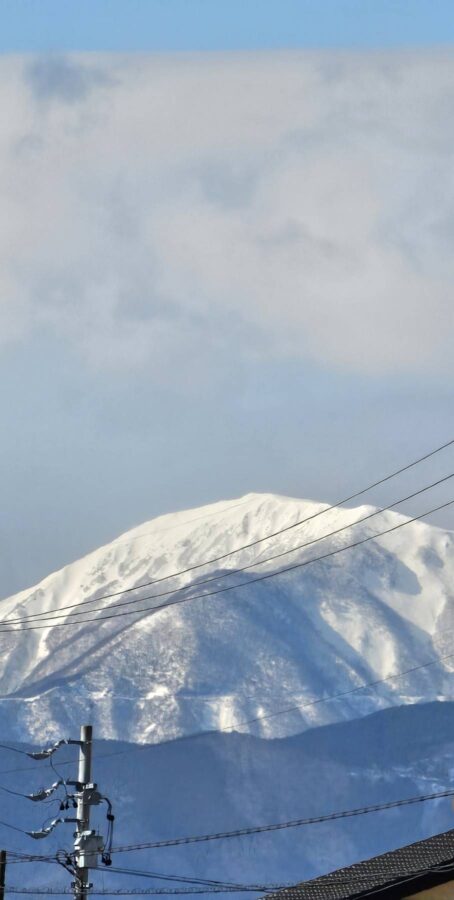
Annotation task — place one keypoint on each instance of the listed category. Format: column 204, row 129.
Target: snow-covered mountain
column 150, row 676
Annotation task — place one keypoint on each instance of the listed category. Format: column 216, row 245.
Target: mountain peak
column 227, row 656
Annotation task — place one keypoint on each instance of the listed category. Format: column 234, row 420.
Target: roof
column 393, row 875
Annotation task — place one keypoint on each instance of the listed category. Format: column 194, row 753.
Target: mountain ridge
column 218, row 782
column 330, row 626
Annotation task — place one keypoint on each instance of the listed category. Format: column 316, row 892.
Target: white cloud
column 158, row 211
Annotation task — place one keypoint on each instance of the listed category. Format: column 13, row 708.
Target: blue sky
column 126, row 25
column 219, row 272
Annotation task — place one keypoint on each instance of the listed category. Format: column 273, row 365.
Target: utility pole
column 2, row 873
column 88, row 844
column 83, row 810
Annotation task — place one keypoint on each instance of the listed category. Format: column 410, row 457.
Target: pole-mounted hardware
column 44, row 793
column 89, row 846
column 49, row 751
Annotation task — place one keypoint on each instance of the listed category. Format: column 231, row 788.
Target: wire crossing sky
column 225, row 258
column 265, row 537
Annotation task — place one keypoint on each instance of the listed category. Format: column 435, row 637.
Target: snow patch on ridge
column 318, row 630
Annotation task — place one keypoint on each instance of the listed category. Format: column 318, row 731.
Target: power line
column 14, row 793
column 350, row 879
column 396, row 873
column 42, row 795
column 12, row 827
column 362, row 687
column 307, row 704
column 183, row 879
column 17, row 858
column 13, row 749
column 261, row 829
column 400, row 876
column 341, row 502
column 60, row 615
column 220, row 886
column 281, row 826
column 267, row 537
column 234, row 725
column 132, row 892
column 273, row 714
column 223, row 590
column 118, row 542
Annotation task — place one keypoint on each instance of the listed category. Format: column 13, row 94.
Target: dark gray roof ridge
column 386, row 875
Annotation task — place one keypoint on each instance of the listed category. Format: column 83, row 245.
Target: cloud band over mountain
column 185, row 208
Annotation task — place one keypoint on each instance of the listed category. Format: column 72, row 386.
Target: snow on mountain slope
column 355, row 617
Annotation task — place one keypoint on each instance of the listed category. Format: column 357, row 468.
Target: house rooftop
column 394, row 875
